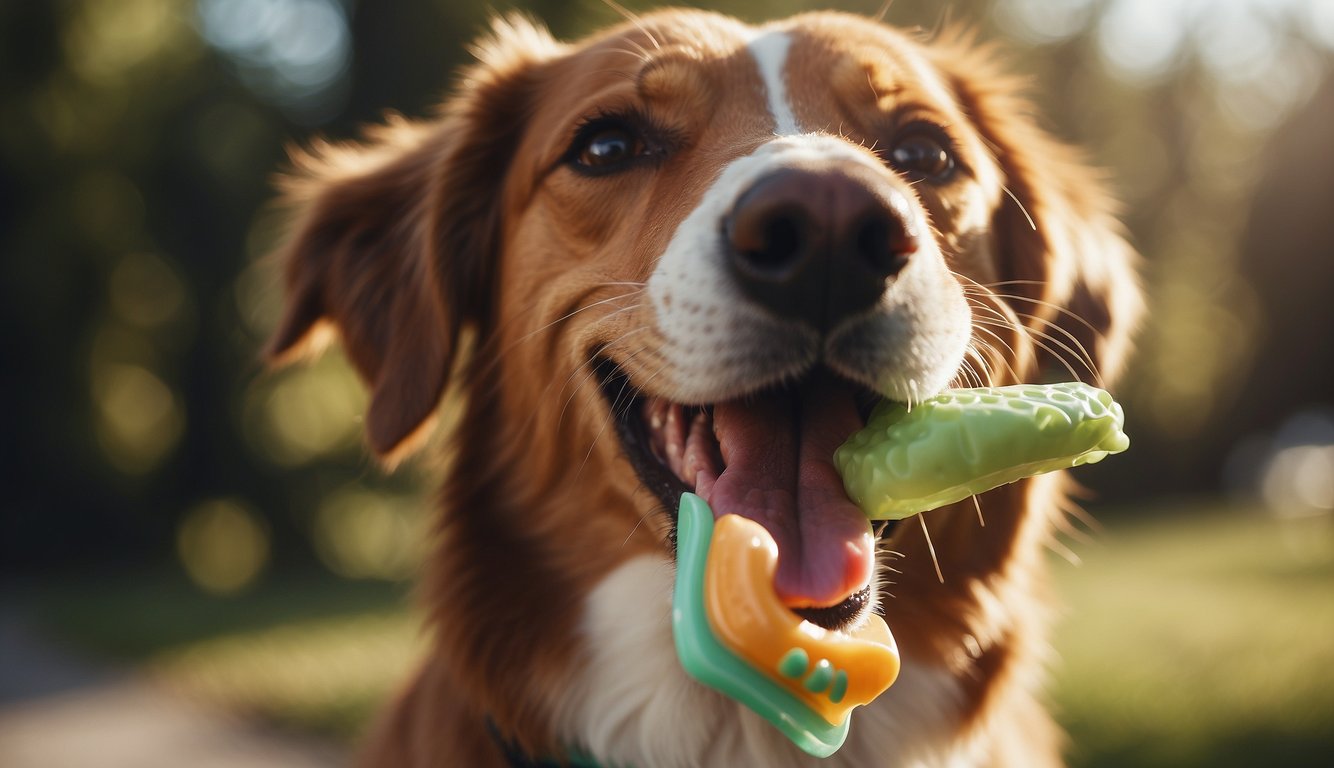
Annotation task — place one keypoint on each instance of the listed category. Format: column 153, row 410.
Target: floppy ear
column 1060, row 251
column 394, row 237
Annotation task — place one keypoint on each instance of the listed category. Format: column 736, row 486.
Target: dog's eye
column 605, row 148
column 925, row 153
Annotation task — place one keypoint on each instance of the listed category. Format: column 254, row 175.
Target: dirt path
column 58, row 711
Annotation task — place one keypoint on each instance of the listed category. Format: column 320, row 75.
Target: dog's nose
column 819, row 245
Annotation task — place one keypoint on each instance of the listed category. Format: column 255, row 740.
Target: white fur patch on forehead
column 769, row 49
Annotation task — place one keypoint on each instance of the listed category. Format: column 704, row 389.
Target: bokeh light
column 146, row 291
column 107, row 41
column 1140, row 39
column 1300, row 480
column 140, row 420
column 223, row 545
column 306, row 412
column 1296, row 465
column 258, row 291
column 294, row 53
column 1045, row 21
column 108, row 208
column 364, row 534
column 1244, row 45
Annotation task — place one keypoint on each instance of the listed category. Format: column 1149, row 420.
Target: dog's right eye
column 606, row 146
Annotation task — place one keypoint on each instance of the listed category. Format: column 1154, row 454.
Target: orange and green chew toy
column 733, row 633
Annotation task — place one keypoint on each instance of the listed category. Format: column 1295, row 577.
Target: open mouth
column 767, row 456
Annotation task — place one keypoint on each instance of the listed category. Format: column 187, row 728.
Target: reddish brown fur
column 410, row 240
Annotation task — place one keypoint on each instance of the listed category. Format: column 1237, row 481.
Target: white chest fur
column 633, row 705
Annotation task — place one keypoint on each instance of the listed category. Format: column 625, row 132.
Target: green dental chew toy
column 734, row 635
column 966, row 441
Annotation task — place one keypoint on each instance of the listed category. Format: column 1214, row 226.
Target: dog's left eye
column 606, row 147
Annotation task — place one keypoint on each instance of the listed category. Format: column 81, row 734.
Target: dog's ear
column 393, row 238
column 1061, row 254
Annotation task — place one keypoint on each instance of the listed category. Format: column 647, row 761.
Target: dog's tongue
column 778, row 450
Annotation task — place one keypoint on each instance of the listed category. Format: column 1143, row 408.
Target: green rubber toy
column 966, row 441
column 706, row 659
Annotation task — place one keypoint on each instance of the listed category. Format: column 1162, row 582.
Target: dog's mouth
column 767, row 456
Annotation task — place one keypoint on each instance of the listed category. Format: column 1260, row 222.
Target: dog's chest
column 633, row 705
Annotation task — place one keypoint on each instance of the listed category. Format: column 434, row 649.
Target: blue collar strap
column 517, row 758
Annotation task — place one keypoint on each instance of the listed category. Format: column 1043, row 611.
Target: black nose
column 819, row 245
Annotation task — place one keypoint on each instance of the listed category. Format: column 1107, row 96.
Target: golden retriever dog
column 686, row 253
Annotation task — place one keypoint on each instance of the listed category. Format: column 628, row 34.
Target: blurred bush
column 137, row 143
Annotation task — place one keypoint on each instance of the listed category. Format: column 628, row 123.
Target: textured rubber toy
column 712, row 663
column 966, row 441
column 829, row 671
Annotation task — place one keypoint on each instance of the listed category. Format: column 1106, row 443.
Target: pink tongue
column 778, row 450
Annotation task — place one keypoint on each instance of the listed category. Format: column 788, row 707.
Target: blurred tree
column 1176, row 98
column 137, row 144
column 1288, row 246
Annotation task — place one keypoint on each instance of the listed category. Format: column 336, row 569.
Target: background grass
column 1201, row 638
column 1192, row 638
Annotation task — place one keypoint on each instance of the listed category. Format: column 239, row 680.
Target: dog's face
column 743, row 237
column 692, row 254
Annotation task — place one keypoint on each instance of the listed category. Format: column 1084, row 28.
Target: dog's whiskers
column 931, row 548
column 496, row 358
column 969, row 375
column 994, row 352
column 592, row 445
column 585, row 368
column 982, row 299
column 990, row 302
column 1053, row 347
column 1079, row 350
column 591, row 371
column 635, row 19
column 1031, row 224
column 619, row 402
column 1057, row 308
column 638, row 522
column 567, row 316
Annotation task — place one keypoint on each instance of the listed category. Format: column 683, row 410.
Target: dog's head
column 707, row 249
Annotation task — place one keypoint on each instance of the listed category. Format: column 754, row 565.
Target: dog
column 686, row 253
